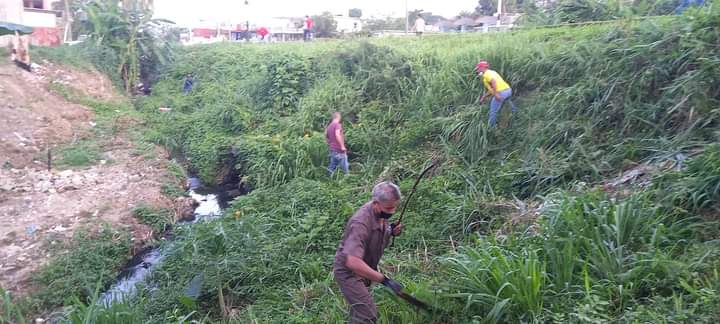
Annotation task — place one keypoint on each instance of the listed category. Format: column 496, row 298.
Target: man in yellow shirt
column 497, row 88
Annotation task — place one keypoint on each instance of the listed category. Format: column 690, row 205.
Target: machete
column 414, row 301
column 434, row 163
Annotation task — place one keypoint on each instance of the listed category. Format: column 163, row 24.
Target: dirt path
column 40, row 208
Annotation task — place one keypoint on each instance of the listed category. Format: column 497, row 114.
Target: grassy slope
column 593, row 100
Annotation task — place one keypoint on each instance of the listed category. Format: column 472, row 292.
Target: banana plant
column 132, row 33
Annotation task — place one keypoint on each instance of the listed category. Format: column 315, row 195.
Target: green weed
column 157, row 218
column 79, row 154
column 92, row 257
column 11, row 311
column 509, row 229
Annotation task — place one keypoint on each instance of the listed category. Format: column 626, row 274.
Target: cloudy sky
column 189, row 11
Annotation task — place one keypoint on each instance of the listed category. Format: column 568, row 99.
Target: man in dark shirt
column 336, row 143
column 188, row 84
column 367, row 234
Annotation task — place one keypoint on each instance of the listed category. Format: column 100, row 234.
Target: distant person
column 307, row 30
column 13, row 53
column 336, row 145
column 419, row 26
column 188, row 84
column 21, row 53
column 192, row 183
column 262, row 31
column 497, row 88
column 22, row 50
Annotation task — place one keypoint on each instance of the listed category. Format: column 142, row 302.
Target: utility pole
column 247, row 22
column 67, row 36
column 499, row 11
column 407, row 22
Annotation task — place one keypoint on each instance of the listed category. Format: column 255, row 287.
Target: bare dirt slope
column 31, row 118
column 39, row 208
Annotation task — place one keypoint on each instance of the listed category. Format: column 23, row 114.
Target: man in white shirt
column 419, row 26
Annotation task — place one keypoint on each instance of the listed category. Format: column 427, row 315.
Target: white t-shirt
column 420, row 25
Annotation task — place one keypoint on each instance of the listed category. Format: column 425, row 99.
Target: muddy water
column 211, row 207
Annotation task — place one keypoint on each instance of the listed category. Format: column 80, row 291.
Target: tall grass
column 594, row 101
column 499, row 281
column 93, row 257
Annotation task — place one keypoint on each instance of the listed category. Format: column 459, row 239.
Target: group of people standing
column 496, row 88
column 369, row 231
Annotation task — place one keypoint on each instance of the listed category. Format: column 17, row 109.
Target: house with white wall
column 38, row 14
column 347, row 24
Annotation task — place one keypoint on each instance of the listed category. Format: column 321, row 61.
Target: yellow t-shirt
column 489, row 75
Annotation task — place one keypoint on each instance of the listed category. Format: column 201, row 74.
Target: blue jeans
column 337, row 158
column 496, row 105
column 684, row 4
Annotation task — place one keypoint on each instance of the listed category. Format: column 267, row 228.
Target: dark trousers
column 357, row 294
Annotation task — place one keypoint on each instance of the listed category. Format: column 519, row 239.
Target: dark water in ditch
column 212, row 203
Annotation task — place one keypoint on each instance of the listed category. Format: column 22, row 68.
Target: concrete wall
column 348, row 24
column 39, row 18
column 44, row 22
column 11, row 11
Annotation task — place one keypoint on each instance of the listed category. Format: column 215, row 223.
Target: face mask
column 384, row 215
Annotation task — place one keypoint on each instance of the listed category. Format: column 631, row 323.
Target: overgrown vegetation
column 516, row 226
column 133, row 36
column 93, row 258
column 84, row 55
column 157, row 218
column 578, row 11
column 112, row 118
column 124, row 42
column 79, row 154
column 594, row 100
column 173, row 186
column 83, row 267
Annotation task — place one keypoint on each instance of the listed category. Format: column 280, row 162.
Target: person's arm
column 397, row 229
column 495, row 93
column 360, row 268
column 341, row 139
column 484, row 96
column 488, row 91
column 487, row 94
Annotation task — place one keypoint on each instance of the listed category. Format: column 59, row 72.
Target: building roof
column 464, row 21
column 486, row 20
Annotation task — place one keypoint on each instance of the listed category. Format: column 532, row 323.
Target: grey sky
column 188, row 11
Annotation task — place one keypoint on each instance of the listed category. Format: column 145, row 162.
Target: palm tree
column 131, row 33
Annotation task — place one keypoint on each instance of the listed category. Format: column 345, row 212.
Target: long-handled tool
column 397, row 289
column 434, row 163
column 401, row 292
column 415, row 302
